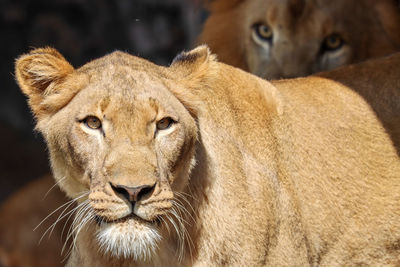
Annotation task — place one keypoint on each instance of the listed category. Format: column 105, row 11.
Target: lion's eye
column 332, row 42
column 164, row 123
column 263, row 31
column 92, row 122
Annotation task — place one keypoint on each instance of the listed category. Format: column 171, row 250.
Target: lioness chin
column 202, row 164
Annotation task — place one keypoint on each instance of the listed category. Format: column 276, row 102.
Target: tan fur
column 369, row 28
column 19, row 216
column 290, row 173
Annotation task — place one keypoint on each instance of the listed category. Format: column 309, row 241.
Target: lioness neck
column 245, row 199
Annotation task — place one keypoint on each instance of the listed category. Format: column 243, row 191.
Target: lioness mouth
column 101, row 220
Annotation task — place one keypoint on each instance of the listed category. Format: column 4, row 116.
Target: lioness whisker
column 184, row 194
column 54, row 185
column 165, row 223
column 180, row 231
column 186, row 234
column 67, row 220
column 72, row 244
column 190, row 241
column 181, row 206
column 185, row 231
column 79, row 216
column 180, row 196
column 61, row 216
column 89, row 215
column 171, row 220
column 182, row 221
column 51, row 227
column 65, row 204
column 76, row 227
column 75, row 224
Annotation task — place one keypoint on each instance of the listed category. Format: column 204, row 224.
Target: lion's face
column 291, row 38
column 129, row 142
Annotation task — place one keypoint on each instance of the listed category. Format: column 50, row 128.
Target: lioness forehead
column 119, row 59
column 121, row 82
column 122, row 76
column 125, row 77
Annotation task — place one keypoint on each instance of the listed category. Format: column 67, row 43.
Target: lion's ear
column 38, row 73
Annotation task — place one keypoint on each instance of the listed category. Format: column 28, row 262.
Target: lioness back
column 202, row 164
column 290, row 38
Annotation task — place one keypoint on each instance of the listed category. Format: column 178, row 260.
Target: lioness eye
column 164, row 123
column 263, row 31
column 332, row 42
column 92, row 122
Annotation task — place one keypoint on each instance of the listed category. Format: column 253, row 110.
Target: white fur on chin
column 128, row 239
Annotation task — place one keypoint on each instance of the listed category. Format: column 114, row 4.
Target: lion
column 202, row 164
column 290, row 38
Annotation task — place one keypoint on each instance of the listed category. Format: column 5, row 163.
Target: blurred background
column 81, row 30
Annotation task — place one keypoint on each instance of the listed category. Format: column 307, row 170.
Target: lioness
column 290, row 38
column 202, row 164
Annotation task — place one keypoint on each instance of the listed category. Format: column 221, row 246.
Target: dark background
column 81, row 30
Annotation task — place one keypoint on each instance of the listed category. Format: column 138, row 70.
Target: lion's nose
column 132, row 194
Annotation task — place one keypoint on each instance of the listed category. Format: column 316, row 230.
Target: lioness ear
column 191, row 70
column 38, row 73
column 193, row 63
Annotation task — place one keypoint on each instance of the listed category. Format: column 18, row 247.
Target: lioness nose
column 132, row 194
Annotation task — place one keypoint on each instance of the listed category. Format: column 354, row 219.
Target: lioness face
column 128, row 141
